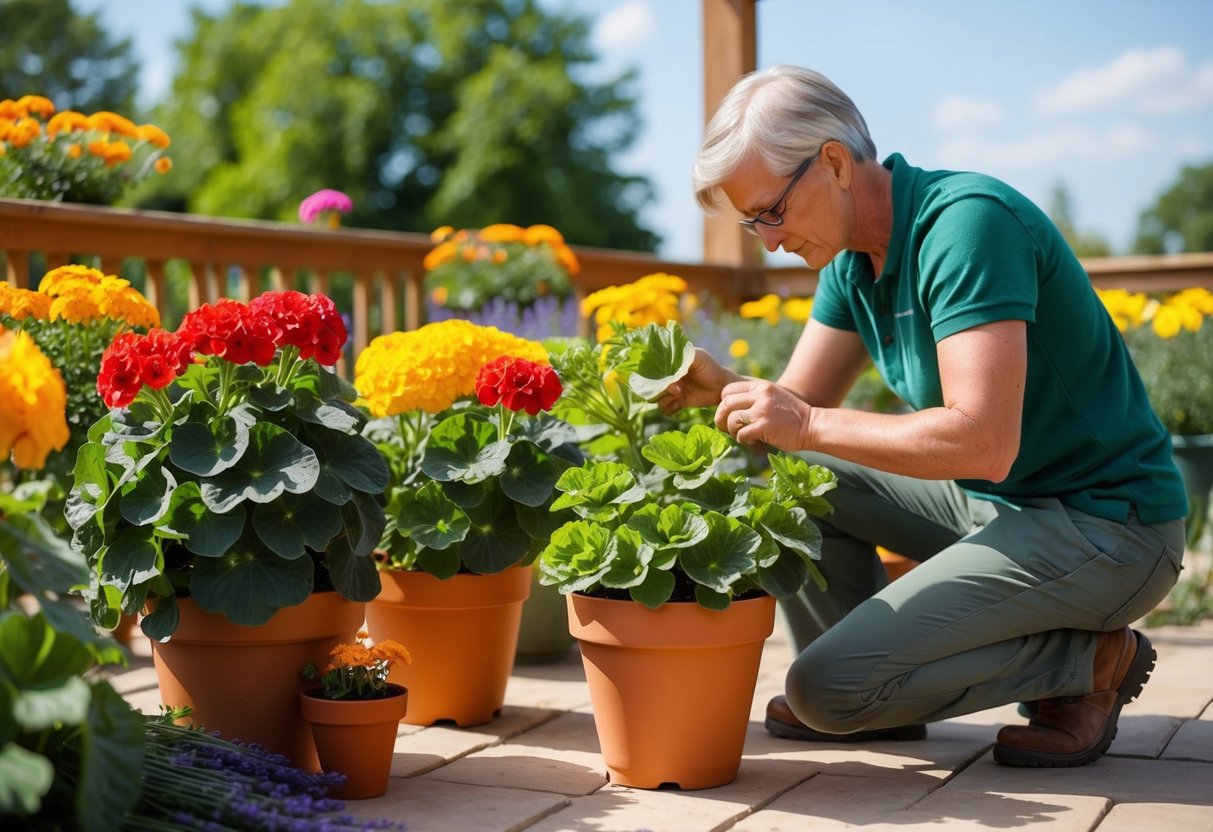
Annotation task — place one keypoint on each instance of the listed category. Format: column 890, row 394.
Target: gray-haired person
column 1031, row 480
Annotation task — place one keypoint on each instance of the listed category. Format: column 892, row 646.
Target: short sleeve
column 830, row 304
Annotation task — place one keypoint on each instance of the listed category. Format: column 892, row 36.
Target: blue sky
column 1105, row 96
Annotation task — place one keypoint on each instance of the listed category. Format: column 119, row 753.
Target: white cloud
column 1070, row 142
column 955, row 112
column 1142, row 80
column 626, row 28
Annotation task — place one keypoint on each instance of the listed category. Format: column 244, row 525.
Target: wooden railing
column 240, row 258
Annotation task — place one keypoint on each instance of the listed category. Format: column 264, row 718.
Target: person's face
column 789, row 211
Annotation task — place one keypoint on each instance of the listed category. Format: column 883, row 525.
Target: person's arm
column 973, row 435
column 824, row 365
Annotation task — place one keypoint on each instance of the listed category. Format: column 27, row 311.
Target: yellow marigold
column 163, row 165
column 441, row 233
column 23, row 132
column 116, row 153
column 8, row 109
column 390, row 651
column 33, row 401
column 653, row 298
column 502, row 232
column 152, row 133
column 444, row 252
column 798, row 309
column 107, row 122
column 432, row 367
column 67, row 121
column 536, row 234
column 79, row 294
column 22, row 303
column 41, row 105
column 566, row 258
column 766, row 307
column 739, row 348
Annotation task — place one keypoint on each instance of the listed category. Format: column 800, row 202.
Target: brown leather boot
column 1076, row 730
column 783, row 723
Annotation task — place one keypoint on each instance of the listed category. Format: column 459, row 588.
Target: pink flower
column 324, row 200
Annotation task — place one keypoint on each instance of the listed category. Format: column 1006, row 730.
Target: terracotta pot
column 544, row 634
column 671, row 688
column 356, row 737
column 244, row 682
column 461, row 633
column 128, row 623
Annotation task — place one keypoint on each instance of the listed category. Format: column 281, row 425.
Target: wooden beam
column 730, row 50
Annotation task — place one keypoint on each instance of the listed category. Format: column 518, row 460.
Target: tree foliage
column 426, row 112
column 1061, row 211
column 48, row 49
column 1182, row 219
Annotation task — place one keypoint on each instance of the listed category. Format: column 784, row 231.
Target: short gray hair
column 784, row 114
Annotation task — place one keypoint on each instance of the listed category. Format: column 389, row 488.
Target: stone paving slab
column 833, row 801
column 423, row 749
column 1121, row 779
column 425, row 805
column 1157, row 817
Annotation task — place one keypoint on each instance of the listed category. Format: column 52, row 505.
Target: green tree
column 1061, row 211
column 1182, row 219
column 425, row 112
column 48, row 49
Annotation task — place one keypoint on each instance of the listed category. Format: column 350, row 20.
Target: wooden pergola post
column 729, row 51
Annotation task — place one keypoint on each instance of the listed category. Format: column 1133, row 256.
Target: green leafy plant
column 471, row 479
column 242, row 482
column 685, row 530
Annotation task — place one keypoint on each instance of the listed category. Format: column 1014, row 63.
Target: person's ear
column 838, row 161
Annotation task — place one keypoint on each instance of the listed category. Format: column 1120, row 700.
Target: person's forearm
column 937, row 443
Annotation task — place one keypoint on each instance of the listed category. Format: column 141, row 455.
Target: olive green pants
column 1005, row 606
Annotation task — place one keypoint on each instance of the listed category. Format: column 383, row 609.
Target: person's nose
column 771, row 236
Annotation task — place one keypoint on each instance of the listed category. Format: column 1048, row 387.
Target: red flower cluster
column 232, row 331
column 309, row 322
column 518, row 384
column 228, row 329
column 132, row 361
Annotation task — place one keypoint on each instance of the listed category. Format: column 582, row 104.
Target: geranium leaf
column 629, row 565
column 249, row 587
column 334, row 414
column 431, row 518
column 270, row 397
column 275, row 462
column 207, row 533
column 31, row 653
column 162, row 621
column 577, row 557
column 206, row 448
column 146, row 499
column 25, row 778
column 530, row 475
column 657, row 588
column 669, row 527
column 598, row 492
column 347, row 460
column 294, row 523
column 794, row 480
column 782, row 576
column 464, row 447
column 354, row 576
column 690, row 455
column 655, row 357
column 723, row 556
column 132, row 558
column 791, row 528
column 711, row 599
column 441, row 563
column 495, row 541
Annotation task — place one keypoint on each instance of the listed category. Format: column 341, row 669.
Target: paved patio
column 537, row 766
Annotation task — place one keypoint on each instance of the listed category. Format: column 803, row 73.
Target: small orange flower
column 163, row 165
column 152, row 133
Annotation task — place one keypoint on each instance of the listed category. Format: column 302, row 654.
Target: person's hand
column 754, row 411
column 700, row 387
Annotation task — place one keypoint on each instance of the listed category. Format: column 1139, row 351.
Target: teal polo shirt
column 967, row 250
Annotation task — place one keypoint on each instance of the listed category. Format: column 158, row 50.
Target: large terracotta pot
column 356, row 737
column 1194, row 458
column 244, row 682
column 671, row 688
column 461, row 633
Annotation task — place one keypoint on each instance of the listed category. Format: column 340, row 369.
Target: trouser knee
column 822, row 692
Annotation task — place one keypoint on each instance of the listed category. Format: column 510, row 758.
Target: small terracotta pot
column 461, row 633
column 671, row 688
column 356, row 737
column 244, row 682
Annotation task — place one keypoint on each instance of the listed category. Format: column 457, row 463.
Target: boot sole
column 1132, row 686
column 805, row 734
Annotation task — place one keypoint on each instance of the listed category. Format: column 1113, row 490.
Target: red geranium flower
column 309, row 322
column 518, row 384
column 132, row 361
column 232, row 331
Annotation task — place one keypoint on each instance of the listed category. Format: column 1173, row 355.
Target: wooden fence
column 240, row 258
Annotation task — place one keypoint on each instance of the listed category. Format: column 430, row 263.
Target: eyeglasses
column 773, row 216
